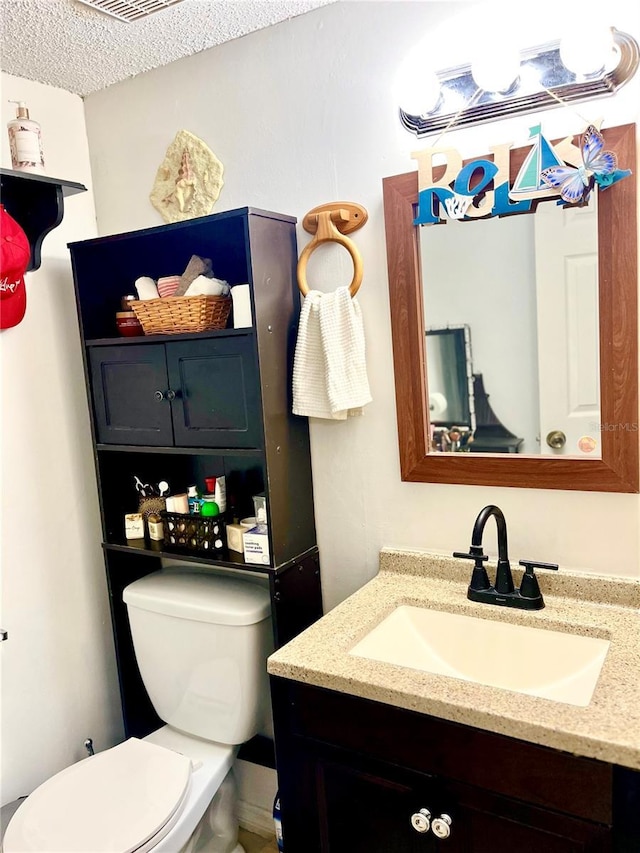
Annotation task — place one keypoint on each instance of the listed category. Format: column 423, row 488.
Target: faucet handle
column 479, row 578
column 536, row 564
column 529, row 587
column 481, row 558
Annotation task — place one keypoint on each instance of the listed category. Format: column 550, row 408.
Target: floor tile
column 256, row 843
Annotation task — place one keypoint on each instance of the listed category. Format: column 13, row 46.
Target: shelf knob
column 421, row 821
column 441, row 826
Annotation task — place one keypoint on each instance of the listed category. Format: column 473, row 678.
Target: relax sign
column 481, row 188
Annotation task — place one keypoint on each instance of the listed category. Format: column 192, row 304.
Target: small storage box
column 256, row 545
column 193, row 532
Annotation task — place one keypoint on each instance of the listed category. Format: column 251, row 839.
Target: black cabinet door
column 125, row 382
column 217, row 400
column 485, row 823
column 367, row 810
column 363, row 811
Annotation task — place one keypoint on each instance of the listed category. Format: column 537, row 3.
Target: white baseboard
column 256, row 819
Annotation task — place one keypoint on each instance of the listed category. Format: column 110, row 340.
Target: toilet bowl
column 201, row 642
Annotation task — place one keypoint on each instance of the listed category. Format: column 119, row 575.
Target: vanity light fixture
column 543, row 80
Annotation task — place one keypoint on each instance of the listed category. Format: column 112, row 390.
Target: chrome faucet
column 503, row 592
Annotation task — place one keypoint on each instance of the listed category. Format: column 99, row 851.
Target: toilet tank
column 201, row 642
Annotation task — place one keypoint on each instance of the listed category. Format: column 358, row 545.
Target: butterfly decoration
column 598, row 166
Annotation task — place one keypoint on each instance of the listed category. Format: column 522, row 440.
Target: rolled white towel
column 203, row 286
column 146, row 288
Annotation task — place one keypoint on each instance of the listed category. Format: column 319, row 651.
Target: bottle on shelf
column 25, row 141
column 195, row 501
column 217, row 487
column 209, row 506
column 156, row 529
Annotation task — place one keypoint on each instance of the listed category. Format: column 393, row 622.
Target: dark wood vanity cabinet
column 353, row 772
column 186, row 406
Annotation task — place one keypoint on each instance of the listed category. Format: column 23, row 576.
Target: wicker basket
column 173, row 315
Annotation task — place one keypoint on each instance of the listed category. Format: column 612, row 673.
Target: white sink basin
column 535, row 661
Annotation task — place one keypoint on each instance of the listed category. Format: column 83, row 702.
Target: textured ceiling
column 77, row 48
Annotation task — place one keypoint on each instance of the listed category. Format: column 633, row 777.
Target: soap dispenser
column 25, row 141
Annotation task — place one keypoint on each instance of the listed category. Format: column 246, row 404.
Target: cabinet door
column 125, row 382
column 217, row 391
column 369, row 811
column 485, row 823
column 366, row 812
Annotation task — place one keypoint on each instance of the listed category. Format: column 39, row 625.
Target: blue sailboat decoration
column 529, row 182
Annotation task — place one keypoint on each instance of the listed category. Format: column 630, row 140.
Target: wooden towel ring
column 330, row 222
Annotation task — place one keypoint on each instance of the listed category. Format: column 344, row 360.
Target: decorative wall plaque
column 188, row 181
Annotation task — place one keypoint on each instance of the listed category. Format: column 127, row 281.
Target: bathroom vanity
column 374, row 756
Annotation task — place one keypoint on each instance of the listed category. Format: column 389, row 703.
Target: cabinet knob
column 171, row 395
column 159, row 395
column 441, row 826
column 421, row 821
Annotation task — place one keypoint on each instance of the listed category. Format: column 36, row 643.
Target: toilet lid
column 113, row 802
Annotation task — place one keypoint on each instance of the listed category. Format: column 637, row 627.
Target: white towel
column 329, row 367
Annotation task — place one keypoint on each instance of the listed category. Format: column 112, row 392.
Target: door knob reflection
column 556, row 439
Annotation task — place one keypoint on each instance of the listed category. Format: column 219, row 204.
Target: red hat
column 14, row 260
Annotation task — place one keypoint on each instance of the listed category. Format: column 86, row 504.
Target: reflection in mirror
column 451, row 404
column 460, row 414
column 527, row 286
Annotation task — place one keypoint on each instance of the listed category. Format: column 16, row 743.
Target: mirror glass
column 525, row 288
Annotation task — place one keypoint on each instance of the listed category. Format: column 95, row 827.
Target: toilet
column 201, row 643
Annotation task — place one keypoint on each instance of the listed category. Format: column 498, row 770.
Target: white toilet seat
column 126, row 799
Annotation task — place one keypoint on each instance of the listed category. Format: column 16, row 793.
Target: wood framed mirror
column 618, row 468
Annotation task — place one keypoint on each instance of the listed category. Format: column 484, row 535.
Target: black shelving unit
column 231, row 415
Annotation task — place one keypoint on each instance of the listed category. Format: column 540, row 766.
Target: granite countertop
column 607, row 729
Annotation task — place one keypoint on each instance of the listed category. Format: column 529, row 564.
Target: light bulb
column 586, row 48
column 497, row 68
column 417, row 85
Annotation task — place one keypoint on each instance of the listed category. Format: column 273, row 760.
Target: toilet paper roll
column 437, row 404
column 181, row 504
column 242, row 317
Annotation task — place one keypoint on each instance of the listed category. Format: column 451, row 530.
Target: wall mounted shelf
column 36, row 202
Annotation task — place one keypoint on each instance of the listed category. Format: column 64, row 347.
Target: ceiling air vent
column 130, row 10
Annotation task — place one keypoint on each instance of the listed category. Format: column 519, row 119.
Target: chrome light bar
column 542, row 83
